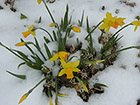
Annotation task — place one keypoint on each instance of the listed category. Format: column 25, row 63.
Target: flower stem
column 45, row 31
column 122, row 29
column 93, row 29
column 49, row 11
column 137, row 47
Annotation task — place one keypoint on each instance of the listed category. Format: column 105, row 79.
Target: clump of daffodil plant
column 72, row 74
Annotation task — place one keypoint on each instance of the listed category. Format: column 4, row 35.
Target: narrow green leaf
column 66, row 18
column 99, row 84
column 70, row 19
column 82, row 84
column 37, row 59
column 33, row 65
column 22, row 16
column 81, row 21
column 46, row 40
column 21, row 54
column 39, row 49
column 39, row 21
column 47, row 51
column 37, row 44
column 54, row 36
column 20, row 65
column 16, row 75
column 62, row 95
column 28, row 47
column 88, row 29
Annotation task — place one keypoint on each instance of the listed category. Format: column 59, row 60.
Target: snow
column 122, row 78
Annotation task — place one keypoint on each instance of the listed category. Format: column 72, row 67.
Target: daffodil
column 69, row 68
column 61, row 55
column 136, row 23
column 30, row 31
column 109, row 21
column 39, row 1
column 120, row 21
column 76, row 29
column 23, row 98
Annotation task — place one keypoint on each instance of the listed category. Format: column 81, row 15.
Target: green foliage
column 22, row 16
column 17, row 75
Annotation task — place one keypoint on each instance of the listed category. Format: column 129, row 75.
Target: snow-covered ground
column 122, row 78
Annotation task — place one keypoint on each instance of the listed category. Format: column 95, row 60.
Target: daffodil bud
column 76, row 29
column 52, row 25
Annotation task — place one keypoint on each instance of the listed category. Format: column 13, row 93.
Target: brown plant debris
column 1, row 7
column 126, row 2
column 87, row 72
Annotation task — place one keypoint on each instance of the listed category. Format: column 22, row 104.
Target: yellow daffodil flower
column 50, row 101
column 120, row 21
column 69, row 68
column 109, row 21
column 52, row 25
column 76, row 29
column 136, row 23
column 23, row 98
column 61, row 55
column 39, row 1
column 30, row 31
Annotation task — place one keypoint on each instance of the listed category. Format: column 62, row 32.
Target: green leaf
column 54, row 36
column 46, row 40
column 81, row 21
column 62, row 95
column 22, row 16
column 39, row 21
column 82, row 84
column 70, row 19
column 88, row 29
column 47, row 51
column 99, row 84
column 28, row 47
column 66, row 18
column 37, row 44
column 20, row 65
column 16, row 75
column 33, row 65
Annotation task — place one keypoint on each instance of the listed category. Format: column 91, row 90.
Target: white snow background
column 123, row 83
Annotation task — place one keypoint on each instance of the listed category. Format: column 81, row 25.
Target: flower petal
column 31, row 27
column 107, row 29
column 136, row 27
column 103, row 26
column 25, row 34
column 63, row 54
column 63, row 71
column 63, row 63
column 55, row 57
column 76, row 70
column 33, row 33
column 69, row 73
column 39, row 1
column 75, row 64
column 134, row 22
